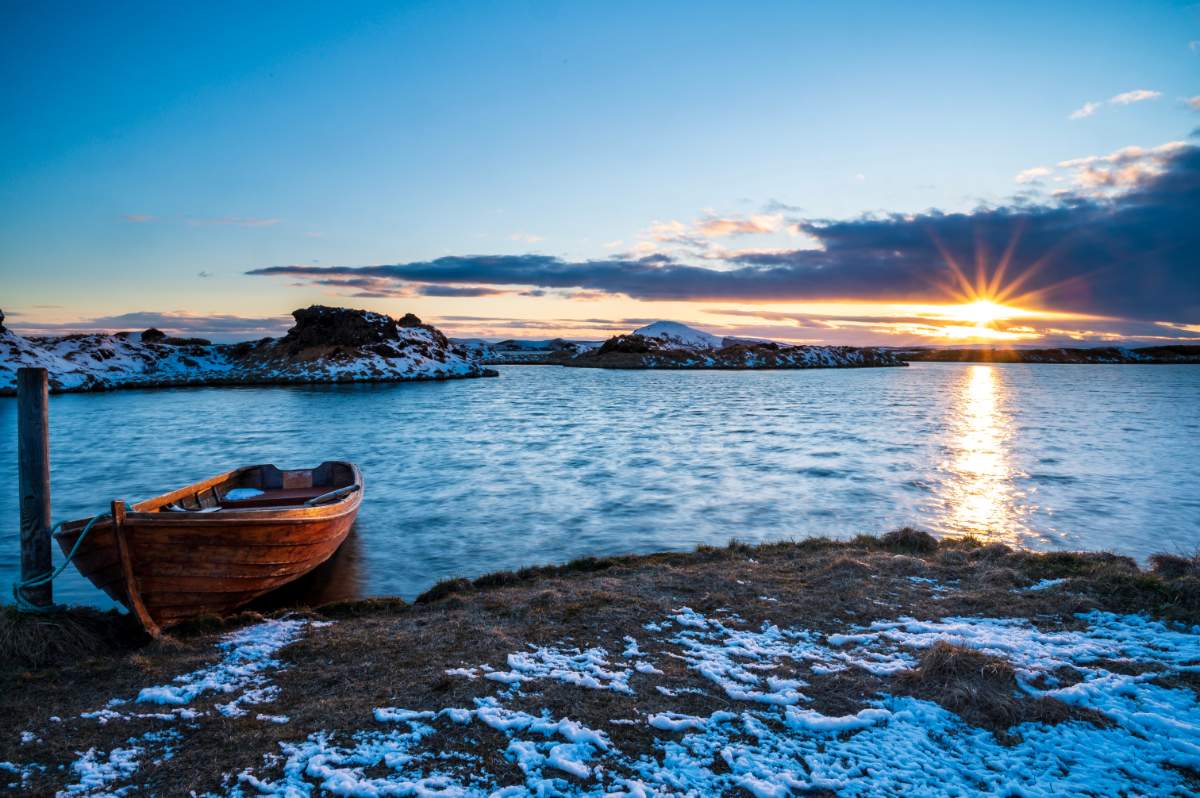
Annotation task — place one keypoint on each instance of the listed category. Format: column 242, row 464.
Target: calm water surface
column 546, row 464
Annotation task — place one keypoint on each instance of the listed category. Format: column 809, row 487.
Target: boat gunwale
column 256, row 516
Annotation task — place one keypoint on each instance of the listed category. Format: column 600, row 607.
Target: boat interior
column 264, row 486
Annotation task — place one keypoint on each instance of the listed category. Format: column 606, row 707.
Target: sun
column 983, row 312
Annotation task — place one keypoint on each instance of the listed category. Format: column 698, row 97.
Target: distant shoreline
column 1100, row 355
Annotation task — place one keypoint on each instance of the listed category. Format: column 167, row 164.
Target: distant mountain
column 674, row 334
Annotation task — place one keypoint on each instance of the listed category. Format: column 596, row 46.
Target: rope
column 19, row 588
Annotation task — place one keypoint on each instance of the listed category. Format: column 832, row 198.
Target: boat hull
column 183, row 565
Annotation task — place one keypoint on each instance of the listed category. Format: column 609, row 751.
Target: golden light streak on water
column 981, row 497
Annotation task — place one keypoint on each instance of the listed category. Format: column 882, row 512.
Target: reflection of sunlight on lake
column 980, row 494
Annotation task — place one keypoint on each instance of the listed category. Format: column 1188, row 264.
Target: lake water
column 545, row 464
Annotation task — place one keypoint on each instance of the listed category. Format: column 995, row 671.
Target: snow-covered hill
column 670, row 345
column 676, row 335
column 326, row 345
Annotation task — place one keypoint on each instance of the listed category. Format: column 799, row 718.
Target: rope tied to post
column 22, row 602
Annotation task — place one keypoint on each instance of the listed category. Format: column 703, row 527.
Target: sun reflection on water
column 981, row 499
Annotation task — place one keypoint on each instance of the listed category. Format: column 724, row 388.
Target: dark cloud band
column 1132, row 256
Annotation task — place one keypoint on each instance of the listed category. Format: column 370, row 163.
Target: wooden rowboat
column 213, row 546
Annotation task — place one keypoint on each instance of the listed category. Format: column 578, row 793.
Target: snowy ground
column 540, row 691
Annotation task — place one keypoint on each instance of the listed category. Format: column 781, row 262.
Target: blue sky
column 147, row 145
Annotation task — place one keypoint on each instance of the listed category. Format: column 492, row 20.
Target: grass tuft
column 907, row 539
column 444, row 588
column 1172, row 566
column 361, row 608
column 63, row 637
column 982, row 690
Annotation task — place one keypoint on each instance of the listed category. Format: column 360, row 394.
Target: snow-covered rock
column 680, row 347
column 326, row 345
column 679, row 336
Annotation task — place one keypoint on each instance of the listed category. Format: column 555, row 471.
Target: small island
column 327, row 345
column 671, row 345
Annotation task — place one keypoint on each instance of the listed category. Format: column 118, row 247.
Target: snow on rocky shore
column 670, row 345
column 326, row 345
column 767, row 744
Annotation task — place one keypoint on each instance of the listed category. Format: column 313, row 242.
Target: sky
column 850, row 173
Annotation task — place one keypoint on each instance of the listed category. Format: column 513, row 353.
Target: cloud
column 1124, row 98
column 1136, row 96
column 1122, row 169
column 234, row 221
column 1033, row 174
column 501, row 326
column 721, row 227
column 203, row 275
column 139, row 218
column 528, row 238
column 217, row 327
column 459, row 291
column 1193, row 102
column 1129, row 254
column 1086, row 110
column 363, row 287
column 942, row 328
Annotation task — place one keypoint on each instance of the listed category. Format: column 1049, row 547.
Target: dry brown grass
column 64, row 636
column 384, row 652
column 982, row 690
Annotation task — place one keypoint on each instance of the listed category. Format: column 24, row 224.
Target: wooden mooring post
column 33, row 456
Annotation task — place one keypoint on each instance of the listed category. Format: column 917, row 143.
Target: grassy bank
column 790, row 668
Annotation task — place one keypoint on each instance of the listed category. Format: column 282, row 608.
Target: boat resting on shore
column 217, row 544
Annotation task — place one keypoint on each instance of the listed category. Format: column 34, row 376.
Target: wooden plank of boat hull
column 224, row 582
column 249, row 526
column 165, row 560
column 249, row 537
column 162, row 599
column 202, row 590
column 229, row 570
column 241, row 523
column 155, row 560
column 212, row 558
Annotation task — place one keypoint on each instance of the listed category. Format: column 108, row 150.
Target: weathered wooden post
column 33, row 457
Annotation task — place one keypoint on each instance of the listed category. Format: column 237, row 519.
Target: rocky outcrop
column 1180, row 353
column 319, row 325
column 325, row 345
column 635, row 351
